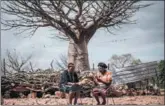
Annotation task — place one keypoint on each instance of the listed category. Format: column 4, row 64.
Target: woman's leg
column 67, row 89
column 70, row 95
column 103, row 95
column 76, row 97
column 96, row 95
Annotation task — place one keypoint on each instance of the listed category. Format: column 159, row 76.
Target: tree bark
column 78, row 54
column 72, row 52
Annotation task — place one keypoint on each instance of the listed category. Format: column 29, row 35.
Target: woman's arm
column 70, row 83
column 99, row 80
column 76, row 80
column 95, row 80
column 76, row 77
column 104, row 82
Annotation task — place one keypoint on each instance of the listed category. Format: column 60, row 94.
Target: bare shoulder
column 109, row 72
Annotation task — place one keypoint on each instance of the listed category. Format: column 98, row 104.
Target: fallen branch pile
column 47, row 82
column 43, row 82
column 22, row 81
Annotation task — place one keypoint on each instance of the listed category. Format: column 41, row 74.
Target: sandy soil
column 139, row 100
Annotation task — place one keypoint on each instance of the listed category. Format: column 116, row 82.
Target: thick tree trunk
column 78, row 54
column 82, row 61
column 72, row 52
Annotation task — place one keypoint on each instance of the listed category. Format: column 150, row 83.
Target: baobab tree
column 76, row 20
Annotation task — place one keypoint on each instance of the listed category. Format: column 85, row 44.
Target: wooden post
column 148, row 81
column 4, row 63
column 157, row 78
column 93, row 66
column 108, row 66
column 164, row 92
column 147, row 86
column 140, row 85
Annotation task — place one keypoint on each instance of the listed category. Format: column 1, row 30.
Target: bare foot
column 98, row 104
column 103, row 103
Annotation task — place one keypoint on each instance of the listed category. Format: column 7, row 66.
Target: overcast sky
column 144, row 40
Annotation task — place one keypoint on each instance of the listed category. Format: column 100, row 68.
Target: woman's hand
column 76, row 83
column 99, row 80
column 95, row 78
column 71, row 83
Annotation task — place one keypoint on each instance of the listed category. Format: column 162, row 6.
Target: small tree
column 15, row 62
column 124, row 60
column 162, row 72
column 3, row 66
column 61, row 63
column 76, row 20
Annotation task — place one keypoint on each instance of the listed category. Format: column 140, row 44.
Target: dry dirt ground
column 139, row 100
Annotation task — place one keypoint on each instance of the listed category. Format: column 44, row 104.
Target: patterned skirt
column 101, row 88
column 70, row 88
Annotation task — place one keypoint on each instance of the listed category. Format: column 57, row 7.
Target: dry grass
column 139, row 100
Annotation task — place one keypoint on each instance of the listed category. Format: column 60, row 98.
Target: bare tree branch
column 31, row 66
column 51, row 64
column 62, row 62
column 72, row 18
column 77, row 20
column 15, row 62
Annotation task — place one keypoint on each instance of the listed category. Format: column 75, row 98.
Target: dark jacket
column 67, row 77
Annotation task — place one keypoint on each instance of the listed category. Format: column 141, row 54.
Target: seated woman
column 103, row 79
column 69, row 83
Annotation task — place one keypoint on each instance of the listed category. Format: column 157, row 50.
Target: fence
column 134, row 73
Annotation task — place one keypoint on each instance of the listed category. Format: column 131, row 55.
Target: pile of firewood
column 36, row 82
column 22, row 81
column 47, row 82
